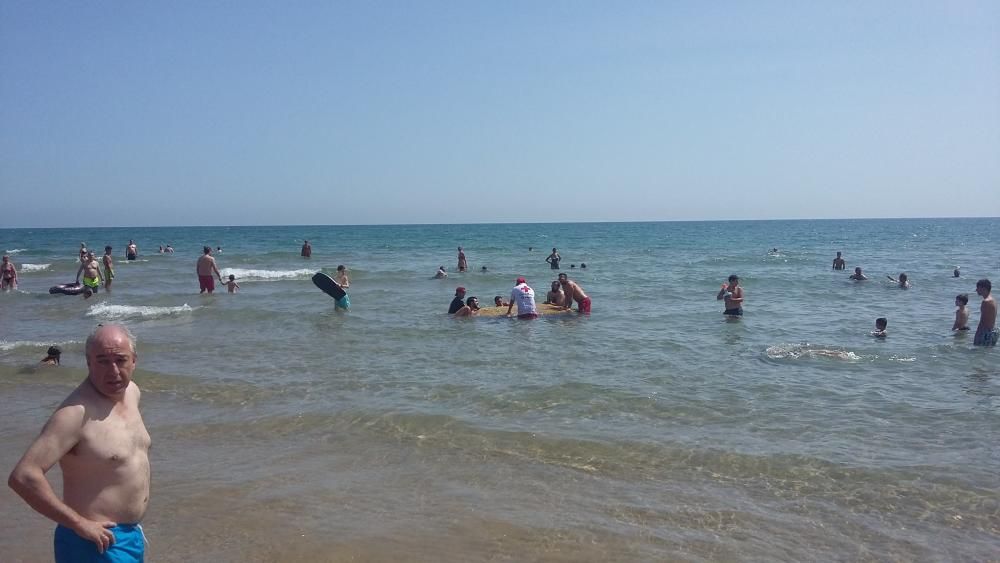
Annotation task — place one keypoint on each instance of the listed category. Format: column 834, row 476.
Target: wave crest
column 266, row 275
column 34, row 267
column 796, row 351
column 16, row 251
column 118, row 312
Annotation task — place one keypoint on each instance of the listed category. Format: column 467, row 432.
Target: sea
column 653, row 429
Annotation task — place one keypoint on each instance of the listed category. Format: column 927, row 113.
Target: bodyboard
column 329, row 287
column 544, row 310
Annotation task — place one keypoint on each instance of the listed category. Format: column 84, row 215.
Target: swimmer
column 838, row 262
column 961, row 313
column 470, row 309
column 499, row 302
column 903, row 281
column 456, row 303
column 857, row 275
column 483, row 269
column 52, row 359
column 8, row 274
column 307, row 249
column 957, row 272
column 441, row 274
column 880, row 324
column 231, row 285
column 573, row 292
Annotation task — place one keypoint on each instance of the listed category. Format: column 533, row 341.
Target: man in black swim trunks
column 733, row 294
column 131, row 251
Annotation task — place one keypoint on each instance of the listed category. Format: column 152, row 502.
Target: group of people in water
column 563, row 293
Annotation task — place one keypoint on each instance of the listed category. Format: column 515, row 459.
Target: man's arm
column 722, row 292
column 511, row 304
column 58, row 437
column 215, row 269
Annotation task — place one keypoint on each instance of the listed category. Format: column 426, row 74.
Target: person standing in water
column 307, row 249
column 205, row 268
column 131, row 251
column 553, row 259
column 838, row 262
column 733, row 295
column 463, row 265
column 986, row 332
column 524, row 297
column 8, row 274
column 109, row 268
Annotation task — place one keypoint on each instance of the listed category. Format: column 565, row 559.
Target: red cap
column 459, row 289
column 521, row 280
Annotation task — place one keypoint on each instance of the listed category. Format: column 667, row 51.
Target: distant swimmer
column 957, row 272
column 583, row 266
column 554, row 259
column 499, row 302
column 8, row 275
column 470, row 309
column 961, row 313
column 218, row 250
column 342, row 279
column 573, row 292
column 555, row 296
column 986, row 333
column 903, row 281
column 131, row 251
column 441, row 274
column 109, row 268
column 92, row 276
column 160, row 251
column 457, row 302
column 524, row 297
column 857, row 275
column 52, row 356
column 880, row 324
column 839, row 263
column 231, row 285
column 462, row 264
column 205, row 268
column 732, row 293
column 307, row 249
column 169, row 249
column 483, row 269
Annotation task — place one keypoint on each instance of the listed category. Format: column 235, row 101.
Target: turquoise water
column 654, row 429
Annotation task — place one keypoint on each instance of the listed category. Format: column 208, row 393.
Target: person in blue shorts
column 986, row 333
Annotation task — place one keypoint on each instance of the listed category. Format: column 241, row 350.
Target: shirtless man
column 8, row 274
column 98, row 438
column 307, row 249
column 555, row 296
column 553, row 259
column 206, row 267
column 109, row 268
column 462, row 264
column 858, row 275
column 573, row 292
column 131, row 251
column 92, row 276
column 986, row 333
column 733, row 294
column 839, row 263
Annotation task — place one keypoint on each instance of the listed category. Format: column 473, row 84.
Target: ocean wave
column 16, row 251
column 266, row 275
column 34, row 267
column 8, row 346
column 118, row 312
column 796, row 351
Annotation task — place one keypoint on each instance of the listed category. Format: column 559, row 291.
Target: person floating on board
column 573, row 293
column 470, row 309
column 555, row 296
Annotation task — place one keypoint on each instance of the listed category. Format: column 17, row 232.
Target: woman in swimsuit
column 8, row 275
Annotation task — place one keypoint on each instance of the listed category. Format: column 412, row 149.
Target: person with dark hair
column 205, row 267
column 961, row 314
column 457, row 303
column 553, row 259
column 307, row 249
column 109, row 268
column 573, row 292
column 470, row 309
column 880, row 324
column 131, row 251
column 463, row 265
column 8, row 274
column 858, row 275
column 838, row 262
column 52, row 359
column 732, row 293
column 986, row 333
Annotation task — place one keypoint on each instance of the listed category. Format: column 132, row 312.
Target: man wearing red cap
column 458, row 302
column 524, row 296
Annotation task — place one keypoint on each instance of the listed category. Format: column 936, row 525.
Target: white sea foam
column 265, row 275
column 796, row 351
column 119, row 312
column 8, row 346
column 16, row 251
column 34, row 267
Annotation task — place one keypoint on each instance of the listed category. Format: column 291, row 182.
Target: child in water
column 231, row 285
column 961, row 314
column 880, row 324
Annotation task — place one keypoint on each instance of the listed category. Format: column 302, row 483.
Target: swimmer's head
column 962, row 299
column 857, row 270
column 498, row 301
column 881, row 323
column 341, row 268
column 54, row 351
column 555, row 285
column 734, row 279
column 472, row 302
column 232, row 277
column 902, row 277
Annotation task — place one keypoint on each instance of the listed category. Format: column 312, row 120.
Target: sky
column 387, row 112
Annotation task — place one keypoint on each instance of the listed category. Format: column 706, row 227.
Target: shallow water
column 653, row 429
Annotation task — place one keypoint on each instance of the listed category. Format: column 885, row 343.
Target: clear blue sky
column 322, row 112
